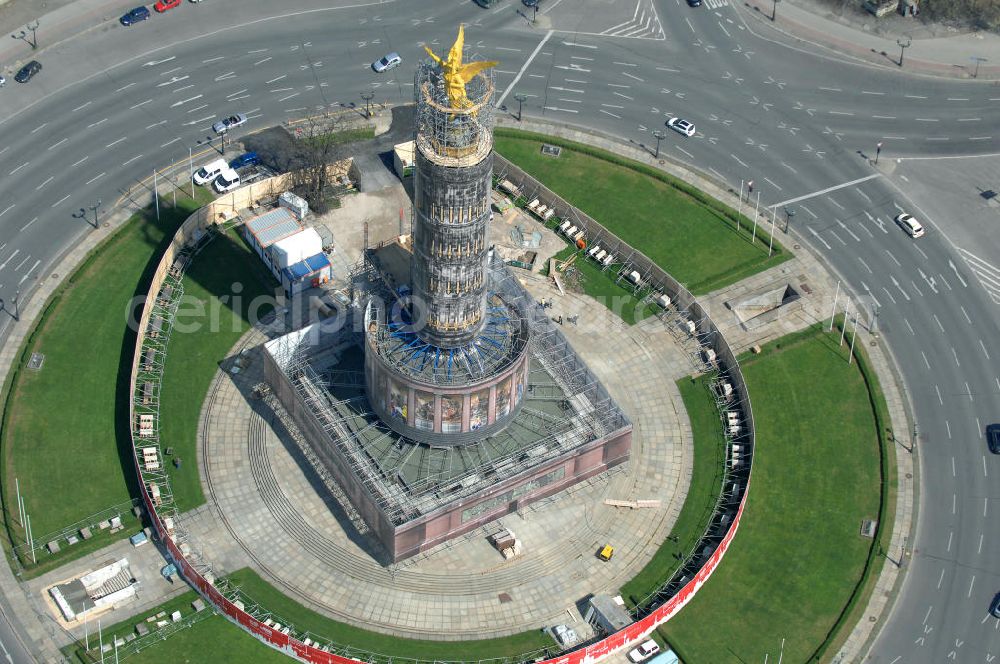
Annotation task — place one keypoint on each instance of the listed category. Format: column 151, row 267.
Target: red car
column 163, row 5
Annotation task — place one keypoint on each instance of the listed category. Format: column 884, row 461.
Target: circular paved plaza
column 286, row 517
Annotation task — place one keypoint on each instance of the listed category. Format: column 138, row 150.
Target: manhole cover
column 871, row 618
column 795, row 246
column 36, row 361
column 106, row 224
column 55, row 275
column 909, row 476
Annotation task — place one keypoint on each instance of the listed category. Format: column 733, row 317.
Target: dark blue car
column 135, row 15
column 246, row 159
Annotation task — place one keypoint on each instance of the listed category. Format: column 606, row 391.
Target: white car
column 230, row 122
column 681, row 126
column 387, row 62
column 227, row 180
column 910, row 225
column 209, row 171
column 644, row 651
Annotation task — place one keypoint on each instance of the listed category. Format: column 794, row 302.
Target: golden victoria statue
column 456, row 75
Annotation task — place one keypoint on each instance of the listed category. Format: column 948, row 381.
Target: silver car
column 387, row 62
column 227, row 123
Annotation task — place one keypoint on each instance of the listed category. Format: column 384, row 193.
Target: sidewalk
column 873, row 41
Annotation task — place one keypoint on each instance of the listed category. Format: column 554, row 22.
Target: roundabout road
column 110, row 108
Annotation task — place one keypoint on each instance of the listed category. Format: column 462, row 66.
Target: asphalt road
column 108, row 109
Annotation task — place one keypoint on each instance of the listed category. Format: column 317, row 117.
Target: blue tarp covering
column 302, row 269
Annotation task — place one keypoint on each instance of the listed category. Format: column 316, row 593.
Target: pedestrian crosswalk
column 987, row 274
column 716, row 4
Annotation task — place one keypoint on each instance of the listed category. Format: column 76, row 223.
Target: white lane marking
column 183, row 88
column 82, row 106
column 275, row 79
column 928, row 365
column 294, row 94
column 141, row 103
column 954, row 504
column 986, row 502
column 981, row 534
column 80, row 161
column 966, row 314
column 138, row 156
column 940, row 579
column 96, row 178
column 891, row 298
column 116, row 142
column 125, row 87
column 29, row 223
column 524, row 67
column 865, row 264
column 830, row 89
column 954, row 354
column 884, row 117
column 221, row 57
column 817, row 236
column 938, row 321
column 156, row 124
column 971, row 584
column 19, row 168
column 61, row 200
column 968, row 391
column 44, row 183
column 9, row 258
column 691, row 156
column 742, row 163
column 25, row 278
column 41, row 126
column 827, row 190
column 184, row 101
column 772, row 183
column 895, row 283
column 985, row 352
column 197, row 108
column 958, row 99
column 7, row 209
column 839, row 113
column 938, row 391
column 260, row 62
column 849, row 231
column 226, row 76
column 153, row 63
column 985, row 474
column 238, row 92
column 954, row 473
column 927, row 119
column 893, row 258
column 948, row 427
column 94, row 124
column 968, row 119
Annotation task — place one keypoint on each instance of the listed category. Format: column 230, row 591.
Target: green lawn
column 211, row 319
column 693, row 239
column 798, row 557
column 65, row 427
column 291, row 612
column 706, row 485
column 214, row 639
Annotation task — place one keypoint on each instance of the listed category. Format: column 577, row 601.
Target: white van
column 228, row 179
column 209, row 171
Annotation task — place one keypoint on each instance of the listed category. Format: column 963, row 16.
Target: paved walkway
column 301, row 540
column 864, row 38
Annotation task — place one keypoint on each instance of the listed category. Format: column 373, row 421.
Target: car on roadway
column 694, row 3
column 227, row 181
column 3, row 81
column 387, row 62
column 163, row 5
column 995, row 606
column 27, row 72
column 993, row 437
column 681, row 126
column 644, row 651
column 912, row 227
column 134, row 16
column 244, row 160
column 486, row 4
column 230, row 122
column 530, row 3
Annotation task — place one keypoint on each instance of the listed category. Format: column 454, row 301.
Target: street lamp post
column 977, row 60
column 23, row 35
column 94, row 208
column 774, row 10
column 368, row 96
column 903, row 45
column 878, row 150
column 659, row 135
column 789, row 213
column 521, row 98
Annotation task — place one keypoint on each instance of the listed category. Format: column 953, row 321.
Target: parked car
column 644, row 651
column 912, row 227
column 209, row 171
column 134, row 16
column 227, row 181
column 163, row 5
column 387, row 62
column 244, row 160
column 993, row 437
column 681, row 126
column 225, row 124
column 28, row 71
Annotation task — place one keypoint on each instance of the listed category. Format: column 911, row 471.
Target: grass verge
column 701, row 242
column 66, row 425
column 793, row 571
column 706, row 485
column 225, row 285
